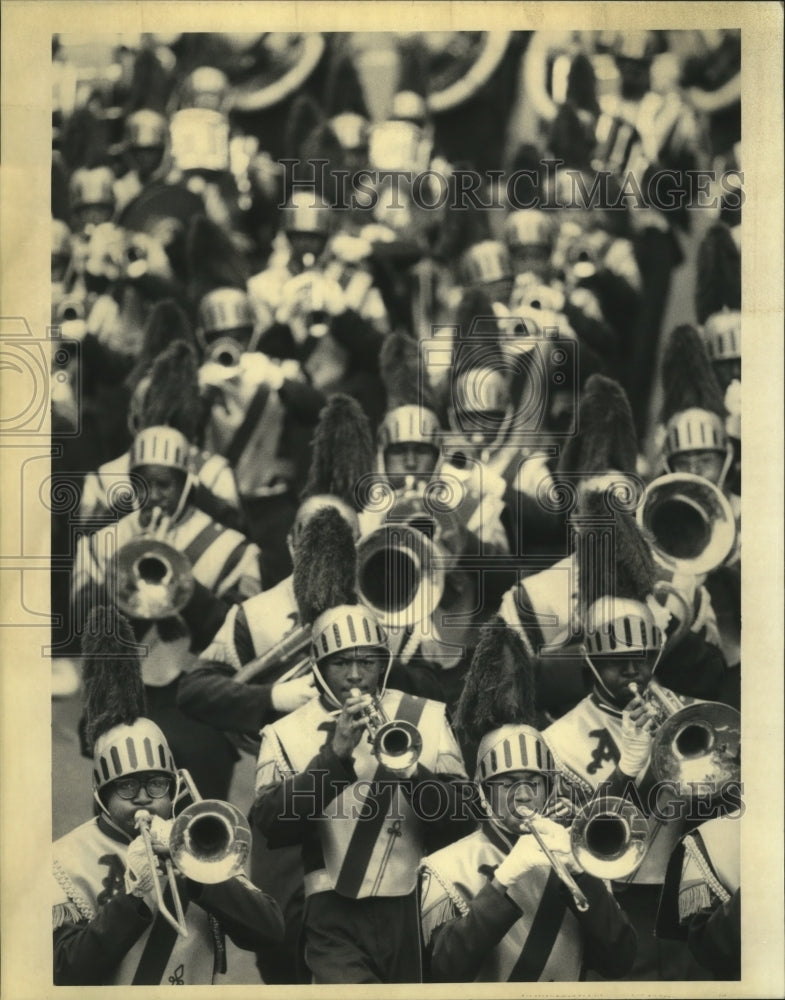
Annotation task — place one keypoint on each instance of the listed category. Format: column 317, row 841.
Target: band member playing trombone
column 363, row 797
column 514, row 922
column 109, row 927
column 175, row 573
column 495, row 907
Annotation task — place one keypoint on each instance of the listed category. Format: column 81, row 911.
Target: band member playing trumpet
column 361, row 798
column 108, row 928
column 494, row 908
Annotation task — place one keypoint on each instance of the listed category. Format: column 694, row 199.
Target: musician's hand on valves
column 351, row 724
column 637, row 727
column 289, row 695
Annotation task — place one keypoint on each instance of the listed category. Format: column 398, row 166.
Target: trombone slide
column 558, row 866
column 142, row 820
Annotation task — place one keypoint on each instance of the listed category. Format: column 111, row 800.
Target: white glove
column 636, row 734
column 526, row 854
column 292, row 694
column 160, row 831
column 139, row 876
column 261, row 370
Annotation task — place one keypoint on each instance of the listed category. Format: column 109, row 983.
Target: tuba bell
column 400, row 568
column 691, row 522
column 153, row 579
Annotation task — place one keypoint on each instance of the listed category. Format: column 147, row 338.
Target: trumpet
column 224, row 351
column 153, row 579
column 696, row 744
column 209, row 842
column 397, row 745
column 691, row 522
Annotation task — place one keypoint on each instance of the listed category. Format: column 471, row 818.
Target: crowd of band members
column 266, row 383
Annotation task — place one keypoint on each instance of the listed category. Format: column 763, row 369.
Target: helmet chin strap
column 599, row 680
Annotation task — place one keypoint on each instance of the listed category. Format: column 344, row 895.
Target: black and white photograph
column 372, row 563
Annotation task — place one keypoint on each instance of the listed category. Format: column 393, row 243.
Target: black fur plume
column 688, row 378
column 111, row 674
column 343, row 89
column 172, row 396
column 606, row 438
column 582, row 84
column 213, row 260
column 343, row 451
column 611, row 563
column 718, row 283
column 399, row 364
column 167, row 323
column 325, row 565
column 500, row 686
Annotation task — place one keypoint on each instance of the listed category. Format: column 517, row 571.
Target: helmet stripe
column 507, row 753
column 129, row 743
column 524, row 752
column 627, row 631
column 113, row 753
column 494, row 765
column 352, row 630
column 148, row 751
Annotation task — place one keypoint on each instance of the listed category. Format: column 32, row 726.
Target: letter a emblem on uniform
column 606, row 750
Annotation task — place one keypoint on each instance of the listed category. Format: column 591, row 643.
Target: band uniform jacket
column 533, row 932
column 359, row 833
column 102, row 936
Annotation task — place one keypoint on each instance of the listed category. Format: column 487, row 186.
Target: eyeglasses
column 156, row 786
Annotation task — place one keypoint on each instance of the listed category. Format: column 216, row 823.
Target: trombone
column 209, row 842
column 292, row 645
column 153, row 579
column 396, row 744
column 696, row 744
column 609, row 838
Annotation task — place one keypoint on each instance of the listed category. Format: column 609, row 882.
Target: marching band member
column 305, row 230
column 605, row 742
column 718, row 309
column 693, row 412
column 486, row 899
column 342, row 455
column 168, row 395
column 107, row 926
column 314, row 771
